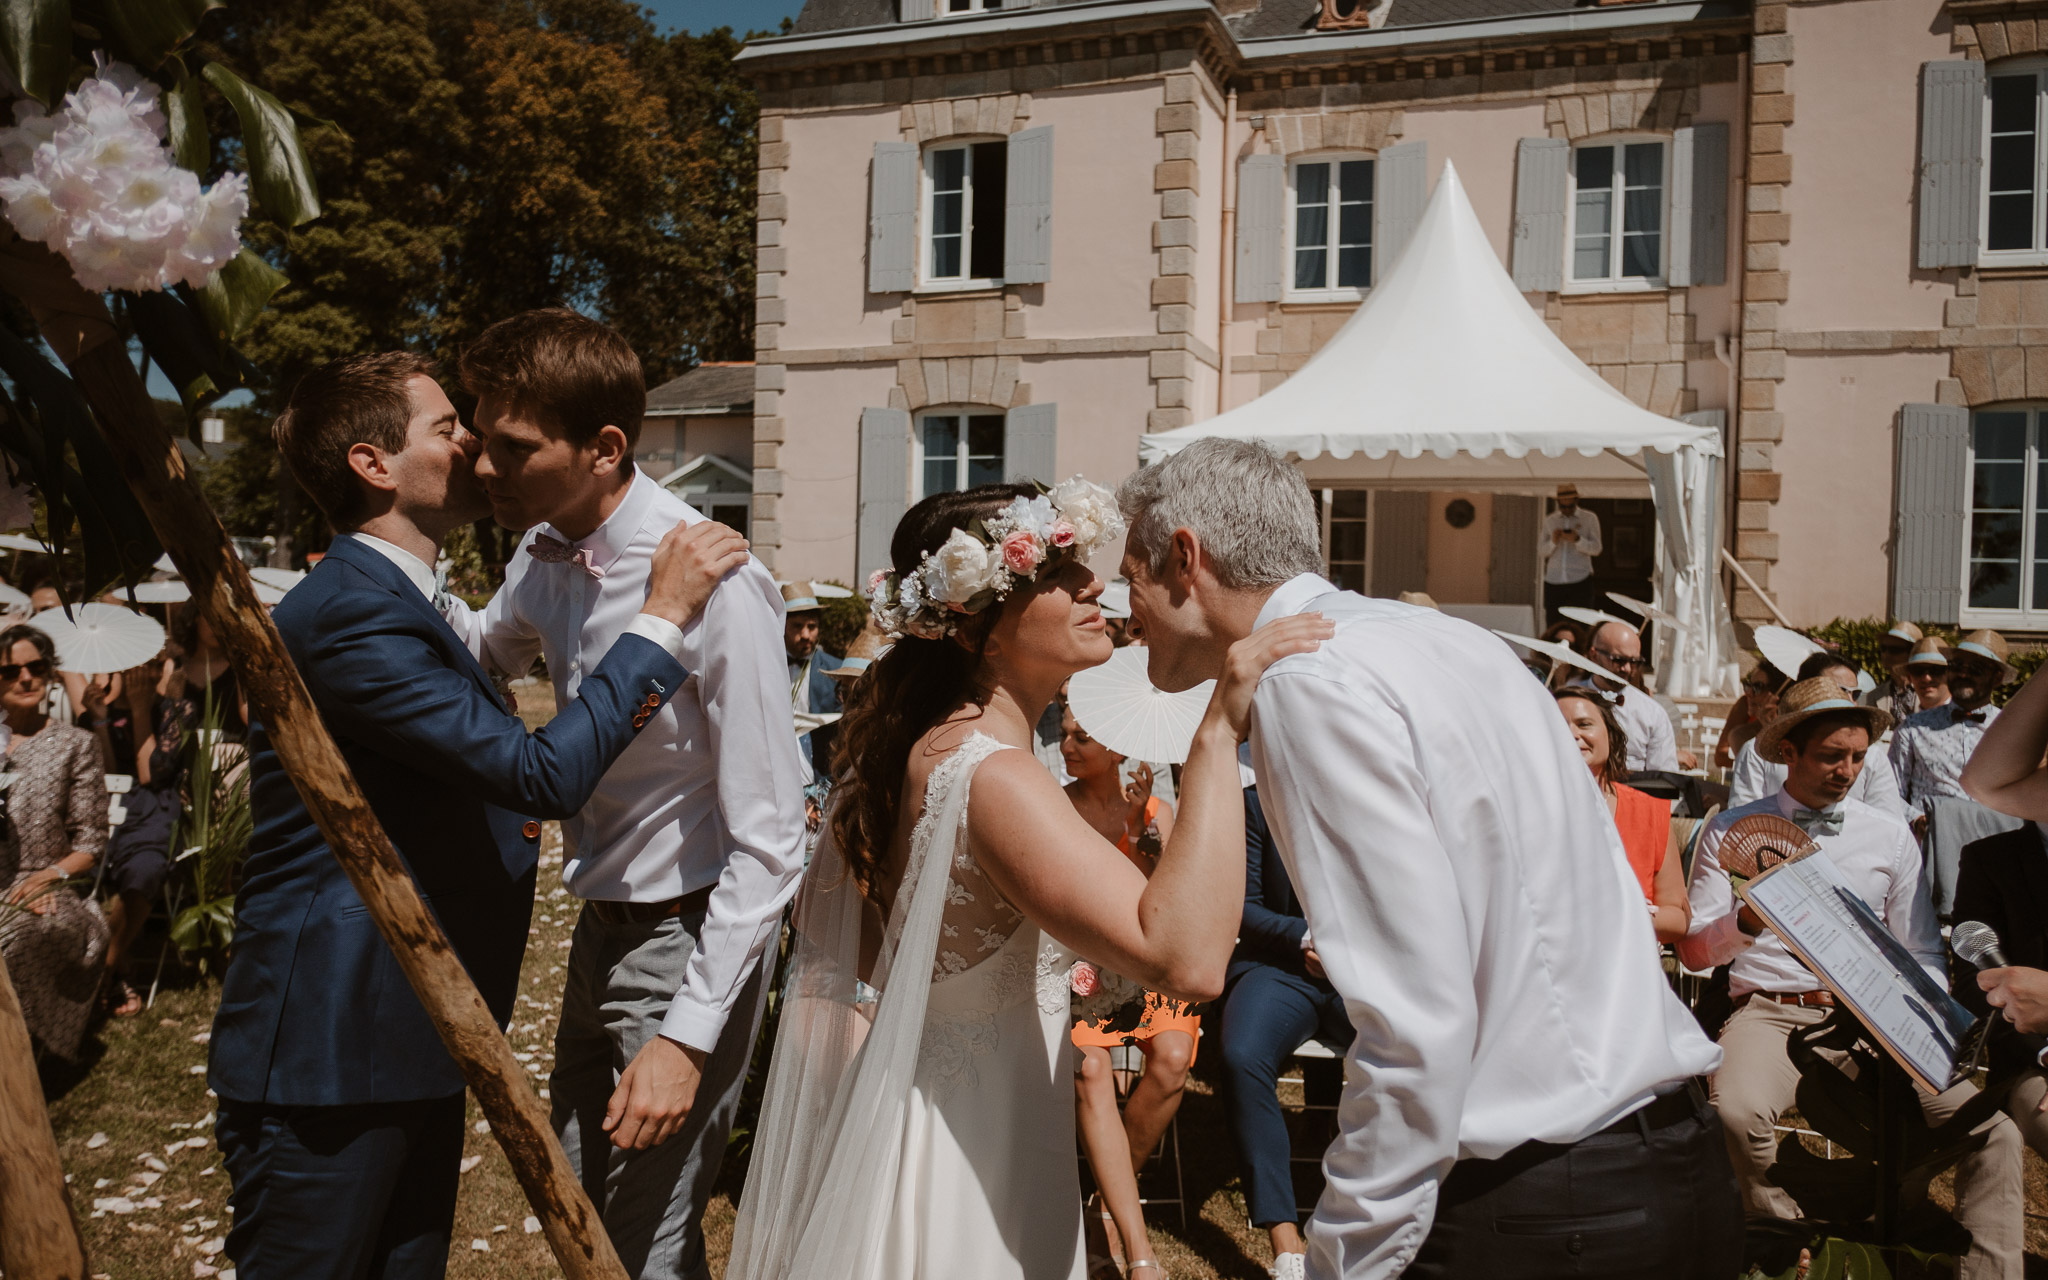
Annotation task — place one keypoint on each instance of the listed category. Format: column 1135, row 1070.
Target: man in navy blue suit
column 340, row 1115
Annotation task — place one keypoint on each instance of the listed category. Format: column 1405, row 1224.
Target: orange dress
column 1162, row 1013
column 1645, row 825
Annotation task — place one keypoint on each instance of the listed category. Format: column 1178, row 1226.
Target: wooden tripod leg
column 38, row 1236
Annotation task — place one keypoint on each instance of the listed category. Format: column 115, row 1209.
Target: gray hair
column 1250, row 510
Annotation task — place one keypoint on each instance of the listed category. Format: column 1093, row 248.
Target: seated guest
column 1644, row 821
column 1761, row 685
column 53, row 825
column 1927, row 672
column 1118, row 1146
column 1755, row 777
column 1276, row 998
column 1930, row 749
column 2004, row 884
column 1652, row 744
column 1898, row 697
column 1824, row 738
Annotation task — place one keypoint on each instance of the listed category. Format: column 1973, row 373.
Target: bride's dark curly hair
column 912, row 687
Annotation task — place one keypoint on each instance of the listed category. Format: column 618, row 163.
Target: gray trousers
column 621, row 980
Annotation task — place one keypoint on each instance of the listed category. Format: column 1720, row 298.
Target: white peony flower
column 1091, row 509
column 960, row 570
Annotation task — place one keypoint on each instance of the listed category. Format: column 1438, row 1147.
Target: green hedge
column 1856, row 639
column 844, row 617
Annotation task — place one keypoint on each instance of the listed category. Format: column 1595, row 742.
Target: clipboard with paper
column 1796, row 890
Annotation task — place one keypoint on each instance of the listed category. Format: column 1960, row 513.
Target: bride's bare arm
column 2006, row 771
column 1173, row 932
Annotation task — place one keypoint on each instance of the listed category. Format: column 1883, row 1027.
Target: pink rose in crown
column 1084, row 979
column 1062, row 534
column 1022, row 553
column 876, row 579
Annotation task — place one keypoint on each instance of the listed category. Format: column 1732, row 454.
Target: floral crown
column 983, row 563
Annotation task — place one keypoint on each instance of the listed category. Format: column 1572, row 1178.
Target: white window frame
column 917, row 454
column 1327, row 517
column 2033, row 495
column 1328, row 293
column 946, row 10
column 1616, row 284
column 926, row 281
column 2035, row 257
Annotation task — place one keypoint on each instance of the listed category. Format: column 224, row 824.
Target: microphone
column 1977, row 942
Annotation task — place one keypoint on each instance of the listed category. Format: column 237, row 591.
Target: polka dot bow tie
column 554, row 551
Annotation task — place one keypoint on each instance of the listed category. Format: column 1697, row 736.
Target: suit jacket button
column 531, row 831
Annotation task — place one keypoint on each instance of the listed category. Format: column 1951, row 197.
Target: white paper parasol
column 1119, row 707
column 169, row 591
column 282, row 579
column 100, row 637
column 1556, row 652
column 21, row 542
column 1595, row 617
column 1785, row 648
column 1648, row 611
column 12, row 600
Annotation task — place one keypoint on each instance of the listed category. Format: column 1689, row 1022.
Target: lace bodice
column 977, row 921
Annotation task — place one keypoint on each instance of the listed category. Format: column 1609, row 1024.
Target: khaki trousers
column 2023, row 1104
column 1757, row 1083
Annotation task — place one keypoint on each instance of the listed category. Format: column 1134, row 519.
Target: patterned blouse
column 56, row 806
column 1930, row 749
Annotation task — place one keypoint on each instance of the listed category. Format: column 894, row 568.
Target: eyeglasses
column 1614, row 659
column 1761, row 689
column 11, row 671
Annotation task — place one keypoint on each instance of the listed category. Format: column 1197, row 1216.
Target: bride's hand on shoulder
column 688, row 565
column 1249, row 658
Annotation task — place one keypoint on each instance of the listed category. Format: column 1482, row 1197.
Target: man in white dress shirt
column 1519, row 1054
column 1571, row 541
column 1651, row 742
column 1826, row 737
column 693, row 843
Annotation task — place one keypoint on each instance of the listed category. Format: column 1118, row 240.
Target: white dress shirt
column 417, row 571
column 1567, row 562
column 1756, row 778
column 1471, row 902
column 1875, row 852
column 710, row 792
column 1651, row 742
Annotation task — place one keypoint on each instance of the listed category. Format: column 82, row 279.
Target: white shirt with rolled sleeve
column 1566, row 561
column 1471, row 902
column 711, row 791
column 1875, row 852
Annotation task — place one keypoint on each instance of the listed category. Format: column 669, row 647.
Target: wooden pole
column 1750, row 582
column 38, row 1236
column 78, row 328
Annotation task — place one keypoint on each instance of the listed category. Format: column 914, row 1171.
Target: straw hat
column 1567, row 490
column 1906, row 631
column 1809, row 698
column 866, row 647
column 1988, row 645
column 800, row 597
column 1927, row 653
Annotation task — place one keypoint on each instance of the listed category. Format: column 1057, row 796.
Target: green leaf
column 147, row 30
column 236, row 294
column 177, row 339
column 186, row 108
column 279, row 174
column 35, row 39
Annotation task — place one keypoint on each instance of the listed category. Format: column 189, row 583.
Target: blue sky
column 740, row 15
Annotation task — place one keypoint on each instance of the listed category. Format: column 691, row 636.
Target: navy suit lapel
column 388, row 575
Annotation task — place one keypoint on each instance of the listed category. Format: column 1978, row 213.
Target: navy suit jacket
column 314, row 1009
column 2004, row 883
column 816, row 745
column 1273, row 924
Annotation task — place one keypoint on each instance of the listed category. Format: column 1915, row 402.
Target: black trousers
column 1582, row 593
column 1634, row 1200
column 342, row 1193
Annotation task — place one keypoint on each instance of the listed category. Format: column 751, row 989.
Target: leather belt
column 649, row 912
column 1804, row 999
column 1665, row 1109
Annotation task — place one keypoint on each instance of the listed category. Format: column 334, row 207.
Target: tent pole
column 1750, row 582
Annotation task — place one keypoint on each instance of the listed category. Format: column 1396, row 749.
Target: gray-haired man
column 1511, row 1060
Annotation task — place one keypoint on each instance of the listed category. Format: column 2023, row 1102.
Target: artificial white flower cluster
column 97, row 184
column 983, row 563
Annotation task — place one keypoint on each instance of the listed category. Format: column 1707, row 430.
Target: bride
column 919, row 1117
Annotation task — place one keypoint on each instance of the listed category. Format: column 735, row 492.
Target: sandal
column 1146, row 1262
column 122, row 1000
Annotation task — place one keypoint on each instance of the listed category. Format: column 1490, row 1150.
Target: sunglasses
column 11, row 671
column 1616, row 660
column 1761, row 689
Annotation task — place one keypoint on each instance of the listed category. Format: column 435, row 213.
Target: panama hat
column 1421, row 598
column 860, row 655
column 1905, row 631
column 800, row 597
column 1988, row 645
column 1567, row 490
column 1809, row 698
column 1927, row 653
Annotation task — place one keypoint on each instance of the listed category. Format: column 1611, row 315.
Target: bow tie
column 1819, row 822
column 1972, row 717
column 443, row 601
column 554, row 551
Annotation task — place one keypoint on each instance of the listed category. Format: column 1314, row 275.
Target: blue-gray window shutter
column 1031, row 444
column 892, row 218
column 1540, row 168
column 1511, row 577
column 884, row 486
column 1027, row 208
column 1400, row 540
column 1951, row 162
column 1400, row 189
column 1927, row 533
column 1699, row 205
column 916, row 10
column 1261, row 228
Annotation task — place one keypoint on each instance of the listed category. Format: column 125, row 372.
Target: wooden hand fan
column 1753, row 845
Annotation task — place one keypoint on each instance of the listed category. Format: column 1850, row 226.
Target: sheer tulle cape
column 820, row 1193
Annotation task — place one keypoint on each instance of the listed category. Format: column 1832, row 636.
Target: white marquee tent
column 1445, row 378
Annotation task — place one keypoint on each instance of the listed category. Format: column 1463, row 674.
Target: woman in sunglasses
column 53, row 826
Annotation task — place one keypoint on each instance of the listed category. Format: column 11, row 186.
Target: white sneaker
column 1290, row 1266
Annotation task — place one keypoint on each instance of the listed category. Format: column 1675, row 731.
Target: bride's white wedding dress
column 920, row 1123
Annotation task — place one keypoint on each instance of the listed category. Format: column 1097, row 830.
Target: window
column 964, row 189
column 2013, row 177
column 1617, row 214
column 949, row 7
column 958, row 450
column 2008, row 521
column 1332, row 226
column 1344, row 542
